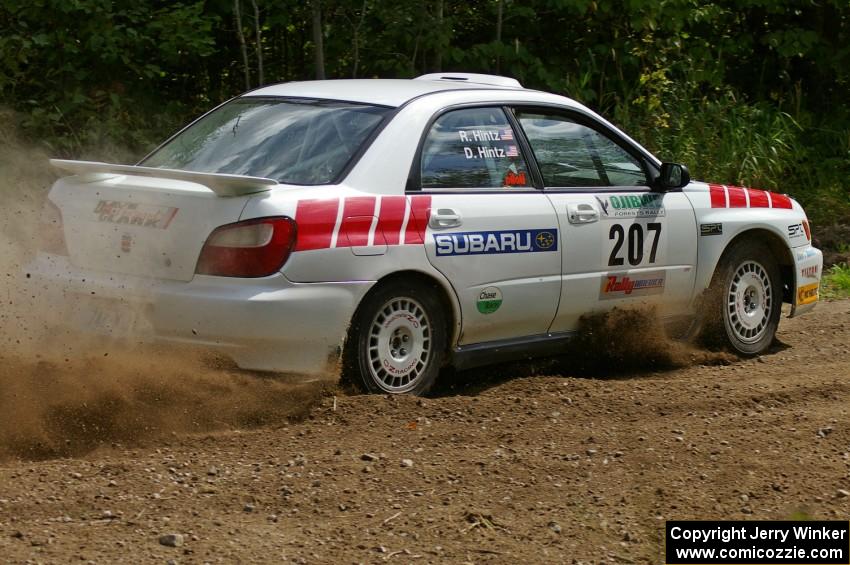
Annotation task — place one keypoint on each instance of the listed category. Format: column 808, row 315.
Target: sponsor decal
column 514, row 177
column 631, row 206
column 809, row 272
column 795, row 230
column 728, row 196
column 126, row 242
column 134, row 214
column 622, row 285
column 335, row 222
column 807, row 294
column 472, row 135
column 710, row 229
column 806, row 253
column 489, row 300
column 496, row 242
column 399, row 372
column 401, row 316
column 481, row 152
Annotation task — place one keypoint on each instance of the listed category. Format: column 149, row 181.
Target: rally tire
column 397, row 340
column 744, row 302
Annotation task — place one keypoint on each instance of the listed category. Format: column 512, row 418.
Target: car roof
column 384, row 92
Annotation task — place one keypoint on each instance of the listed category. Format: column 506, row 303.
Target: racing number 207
column 634, row 243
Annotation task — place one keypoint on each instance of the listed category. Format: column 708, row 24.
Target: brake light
column 807, row 229
column 52, row 230
column 253, row 248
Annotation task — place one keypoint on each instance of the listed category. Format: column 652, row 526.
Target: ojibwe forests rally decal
column 618, row 206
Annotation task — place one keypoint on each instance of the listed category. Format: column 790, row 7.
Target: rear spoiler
column 220, row 184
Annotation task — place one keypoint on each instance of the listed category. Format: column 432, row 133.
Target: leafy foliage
column 836, row 281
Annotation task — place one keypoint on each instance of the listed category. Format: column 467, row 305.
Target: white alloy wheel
column 749, row 302
column 742, row 307
column 399, row 345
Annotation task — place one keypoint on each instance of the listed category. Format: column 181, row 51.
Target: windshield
column 291, row 141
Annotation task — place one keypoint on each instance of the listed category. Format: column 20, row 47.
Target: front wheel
column 745, row 299
column 397, row 341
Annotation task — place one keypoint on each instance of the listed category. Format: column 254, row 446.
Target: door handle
column 582, row 213
column 443, row 218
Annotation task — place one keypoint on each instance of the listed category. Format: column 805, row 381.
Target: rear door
column 489, row 231
column 621, row 244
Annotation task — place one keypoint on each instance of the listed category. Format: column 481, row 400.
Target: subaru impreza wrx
column 387, row 228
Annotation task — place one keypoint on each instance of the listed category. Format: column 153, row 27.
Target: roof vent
column 494, row 80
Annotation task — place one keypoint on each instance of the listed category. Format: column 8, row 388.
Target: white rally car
column 387, row 228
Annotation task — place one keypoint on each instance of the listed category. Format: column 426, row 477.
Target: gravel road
column 542, row 469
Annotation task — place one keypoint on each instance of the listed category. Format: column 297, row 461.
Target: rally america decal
column 624, row 285
column 496, row 242
column 134, row 214
column 620, row 206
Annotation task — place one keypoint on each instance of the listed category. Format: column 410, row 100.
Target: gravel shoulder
column 547, row 469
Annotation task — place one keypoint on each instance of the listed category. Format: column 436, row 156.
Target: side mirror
column 673, row 176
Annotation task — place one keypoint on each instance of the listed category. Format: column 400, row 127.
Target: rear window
column 291, row 141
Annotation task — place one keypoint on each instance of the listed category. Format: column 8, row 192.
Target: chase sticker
column 496, row 242
column 489, row 300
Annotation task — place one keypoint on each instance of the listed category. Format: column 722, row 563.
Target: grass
column 836, row 282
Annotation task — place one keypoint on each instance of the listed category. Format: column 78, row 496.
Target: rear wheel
column 745, row 299
column 397, row 340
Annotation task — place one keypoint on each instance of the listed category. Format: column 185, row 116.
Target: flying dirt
column 63, row 394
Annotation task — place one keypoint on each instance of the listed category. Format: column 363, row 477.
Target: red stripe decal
column 718, row 196
column 737, row 198
column 420, row 211
column 758, row 198
column 357, row 218
column 316, row 220
column 780, row 200
column 391, row 218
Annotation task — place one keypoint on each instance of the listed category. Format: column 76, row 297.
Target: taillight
column 52, row 231
column 253, row 248
column 807, row 229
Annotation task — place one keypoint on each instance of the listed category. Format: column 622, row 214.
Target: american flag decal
column 511, row 151
column 506, row 134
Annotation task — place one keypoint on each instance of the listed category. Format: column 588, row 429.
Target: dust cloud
column 626, row 340
column 63, row 393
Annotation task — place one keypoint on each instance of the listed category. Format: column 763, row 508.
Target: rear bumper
column 808, row 269
column 268, row 323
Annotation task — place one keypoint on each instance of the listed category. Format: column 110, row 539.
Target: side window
column 570, row 154
column 473, row 148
